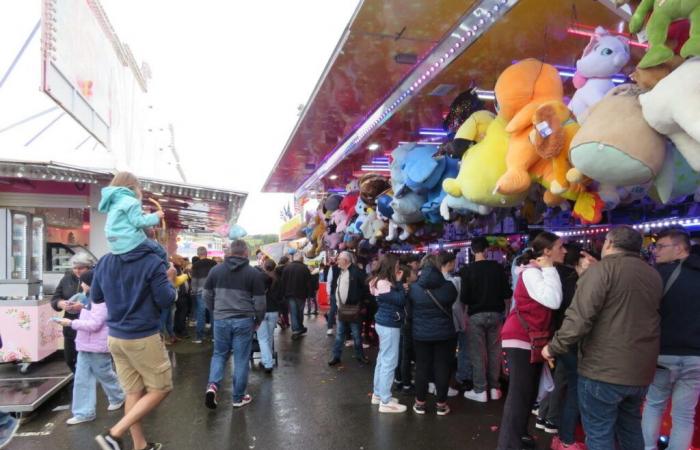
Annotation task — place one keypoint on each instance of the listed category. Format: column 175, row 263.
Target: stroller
column 255, row 348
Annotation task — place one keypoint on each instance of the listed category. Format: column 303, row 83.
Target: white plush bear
column 604, row 56
column 673, row 108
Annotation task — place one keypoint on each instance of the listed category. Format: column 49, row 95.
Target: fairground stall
column 437, row 121
column 59, row 145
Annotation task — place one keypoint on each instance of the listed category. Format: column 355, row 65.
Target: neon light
column 577, row 31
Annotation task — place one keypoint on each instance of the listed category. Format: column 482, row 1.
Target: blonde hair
column 127, row 180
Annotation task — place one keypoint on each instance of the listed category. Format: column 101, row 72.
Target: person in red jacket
column 537, row 293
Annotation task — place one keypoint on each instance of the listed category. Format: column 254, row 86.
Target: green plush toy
column 663, row 12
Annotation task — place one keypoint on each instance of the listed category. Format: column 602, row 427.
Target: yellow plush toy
column 483, row 164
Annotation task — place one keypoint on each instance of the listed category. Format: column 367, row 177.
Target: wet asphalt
column 304, row 404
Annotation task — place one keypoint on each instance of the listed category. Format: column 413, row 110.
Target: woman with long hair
column 387, row 287
column 434, row 336
column 266, row 331
column 538, row 292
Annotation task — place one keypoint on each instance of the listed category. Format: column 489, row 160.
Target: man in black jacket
column 678, row 366
column 348, row 288
column 200, row 270
column 296, row 280
column 67, row 288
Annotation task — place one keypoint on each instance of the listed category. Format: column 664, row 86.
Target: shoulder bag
column 538, row 339
column 437, row 303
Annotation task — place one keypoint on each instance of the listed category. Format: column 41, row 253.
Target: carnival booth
column 434, row 122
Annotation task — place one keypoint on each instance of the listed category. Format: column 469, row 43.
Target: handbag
column 538, row 340
column 348, row 313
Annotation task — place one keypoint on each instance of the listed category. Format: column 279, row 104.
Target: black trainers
column 210, row 396
column 362, row 359
column 108, row 442
column 546, row 425
column 334, row 362
column 419, row 408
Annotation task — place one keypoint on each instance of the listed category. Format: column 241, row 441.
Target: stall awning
column 399, row 66
column 186, row 206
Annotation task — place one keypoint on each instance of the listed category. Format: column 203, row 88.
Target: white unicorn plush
column 604, row 56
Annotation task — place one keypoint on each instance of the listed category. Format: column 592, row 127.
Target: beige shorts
column 142, row 364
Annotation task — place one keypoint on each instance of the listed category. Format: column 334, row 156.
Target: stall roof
column 186, row 206
column 358, row 100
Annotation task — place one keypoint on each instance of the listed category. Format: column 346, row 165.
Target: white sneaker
column 115, row 406
column 246, row 400
column 376, row 400
column 450, row 391
column 392, row 407
column 77, row 420
column 477, row 397
column 329, row 332
column 496, row 394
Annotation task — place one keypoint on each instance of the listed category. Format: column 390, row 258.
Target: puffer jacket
column 92, row 329
column 428, row 321
column 125, row 219
column 391, row 302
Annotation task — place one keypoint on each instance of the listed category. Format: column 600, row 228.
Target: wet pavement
column 304, row 404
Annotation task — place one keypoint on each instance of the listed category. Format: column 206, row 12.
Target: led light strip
column 469, row 29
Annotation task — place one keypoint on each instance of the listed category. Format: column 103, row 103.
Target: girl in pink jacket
column 94, row 359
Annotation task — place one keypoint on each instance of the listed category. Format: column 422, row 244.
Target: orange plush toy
column 520, row 90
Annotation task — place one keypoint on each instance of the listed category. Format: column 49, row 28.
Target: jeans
column 551, row 405
column 522, row 391
column 312, row 301
column 340, row 339
column 610, row 413
column 485, row 346
column 8, row 426
column 201, row 316
column 387, row 359
column 464, row 363
column 678, row 381
column 166, row 322
column 569, row 413
column 433, row 358
column 296, row 311
column 331, row 314
column 93, row 367
column 232, row 335
column 266, row 337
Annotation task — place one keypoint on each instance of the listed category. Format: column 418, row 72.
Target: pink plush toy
column 604, row 56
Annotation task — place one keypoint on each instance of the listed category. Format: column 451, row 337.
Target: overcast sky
column 230, row 75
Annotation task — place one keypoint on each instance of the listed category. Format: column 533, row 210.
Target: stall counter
column 28, row 335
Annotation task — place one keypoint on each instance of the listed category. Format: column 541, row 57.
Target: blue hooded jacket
column 125, row 219
column 428, row 321
column 136, row 288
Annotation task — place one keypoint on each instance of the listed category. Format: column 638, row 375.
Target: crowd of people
column 603, row 344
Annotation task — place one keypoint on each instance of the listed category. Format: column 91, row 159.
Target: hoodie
column 234, row 289
column 136, row 288
column 428, row 321
column 125, row 219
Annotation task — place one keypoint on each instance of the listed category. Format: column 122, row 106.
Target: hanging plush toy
column 677, row 180
column 604, row 56
column 663, row 12
column 520, row 90
column 371, row 185
column 672, row 108
column 462, row 107
column 236, row 231
column 678, row 34
column 406, row 212
column 482, row 166
column 473, row 130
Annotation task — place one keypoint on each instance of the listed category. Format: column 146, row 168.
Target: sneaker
column 268, row 370
column 210, row 396
column 153, row 446
column 304, row 331
column 75, row 420
column 496, row 394
column 535, row 409
column 329, row 332
column 197, row 341
column 365, row 346
column 557, row 444
column 442, row 409
column 528, row 441
column 334, row 362
column 349, row 343
column 451, row 392
column 546, row 425
column 362, row 359
column 476, row 396
column 419, row 408
column 376, row 400
column 392, row 407
column 108, row 442
column 244, row 401
column 115, row 406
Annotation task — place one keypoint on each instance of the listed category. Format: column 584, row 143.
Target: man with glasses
column 677, row 375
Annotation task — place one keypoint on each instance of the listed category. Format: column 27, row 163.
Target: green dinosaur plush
column 663, row 12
